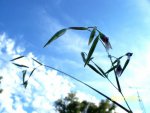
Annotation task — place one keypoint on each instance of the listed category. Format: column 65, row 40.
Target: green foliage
column 1, row 90
column 17, row 58
column 20, row 65
column 24, row 72
column 57, row 35
column 115, row 66
column 71, row 104
column 78, row 28
column 92, row 36
column 117, row 69
column 91, row 50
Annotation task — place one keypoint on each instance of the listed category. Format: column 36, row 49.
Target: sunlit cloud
column 44, row 87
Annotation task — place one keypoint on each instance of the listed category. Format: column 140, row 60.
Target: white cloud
column 44, row 87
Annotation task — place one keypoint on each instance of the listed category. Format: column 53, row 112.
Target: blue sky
column 25, row 26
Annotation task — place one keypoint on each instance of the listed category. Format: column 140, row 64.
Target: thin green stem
column 125, row 101
column 117, row 80
column 119, row 88
column 89, row 87
column 107, row 78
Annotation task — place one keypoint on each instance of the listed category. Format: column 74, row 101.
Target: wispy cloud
column 45, row 86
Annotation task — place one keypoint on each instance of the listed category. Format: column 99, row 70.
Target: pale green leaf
column 55, row 36
column 79, row 28
column 91, row 50
column 94, row 69
column 92, row 36
column 32, row 72
column 19, row 65
column 24, row 74
column 17, row 58
column 37, row 61
column 25, row 84
column 111, row 69
column 125, row 65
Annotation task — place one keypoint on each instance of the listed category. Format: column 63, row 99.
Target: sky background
column 25, row 26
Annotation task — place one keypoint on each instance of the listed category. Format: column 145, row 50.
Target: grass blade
column 91, row 50
column 25, row 84
column 20, row 65
column 125, row 65
column 55, row 36
column 32, row 72
column 78, row 28
column 94, row 69
column 17, row 58
column 37, row 61
column 83, row 56
column 111, row 69
column 100, row 69
column 118, row 59
column 92, row 36
column 24, row 74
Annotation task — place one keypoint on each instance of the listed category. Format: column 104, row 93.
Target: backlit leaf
column 55, row 36
column 91, row 50
column 94, row 69
column 111, row 69
column 24, row 74
column 78, row 28
column 125, row 65
column 20, row 65
column 117, row 60
column 92, row 36
column 25, row 84
column 32, row 72
column 37, row 61
column 83, row 56
column 17, row 58
column 100, row 69
column 118, row 84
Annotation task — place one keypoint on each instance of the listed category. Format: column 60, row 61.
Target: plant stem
column 125, row 101
column 90, row 88
column 107, row 78
column 117, row 80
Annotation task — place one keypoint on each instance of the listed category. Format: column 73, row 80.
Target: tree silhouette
column 71, row 104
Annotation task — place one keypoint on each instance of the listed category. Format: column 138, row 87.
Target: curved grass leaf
column 37, row 61
column 24, row 74
column 118, row 84
column 78, row 28
column 94, row 69
column 25, row 84
column 100, row 69
column 92, row 36
column 91, row 50
column 20, row 65
column 111, row 69
column 55, row 36
column 89, row 87
column 83, row 56
column 117, row 60
column 32, row 72
column 125, row 65
column 17, row 58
